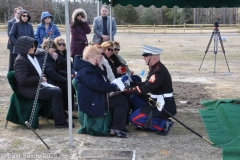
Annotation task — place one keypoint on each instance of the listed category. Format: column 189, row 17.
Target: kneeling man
column 150, row 97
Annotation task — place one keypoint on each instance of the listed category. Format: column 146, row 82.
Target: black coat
column 158, row 82
column 61, row 64
column 92, row 88
column 9, row 26
column 19, row 29
column 114, row 65
column 50, row 69
column 26, row 75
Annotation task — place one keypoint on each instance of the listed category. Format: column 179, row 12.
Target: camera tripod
column 217, row 36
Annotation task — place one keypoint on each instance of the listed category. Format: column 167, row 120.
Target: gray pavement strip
column 107, row 155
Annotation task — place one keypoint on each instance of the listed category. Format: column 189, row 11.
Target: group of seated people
column 52, row 56
column 28, row 68
column 99, row 72
column 102, row 71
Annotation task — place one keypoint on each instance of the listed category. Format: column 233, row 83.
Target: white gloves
column 160, row 103
column 119, row 83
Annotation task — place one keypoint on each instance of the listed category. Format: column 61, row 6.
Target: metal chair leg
column 6, row 124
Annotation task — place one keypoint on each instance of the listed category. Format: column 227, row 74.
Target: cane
column 29, row 126
column 184, row 125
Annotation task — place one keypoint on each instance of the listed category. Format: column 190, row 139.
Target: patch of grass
column 87, row 143
column 15, row 144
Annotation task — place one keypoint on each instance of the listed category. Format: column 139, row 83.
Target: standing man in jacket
column 101, row 27
column 10, row 45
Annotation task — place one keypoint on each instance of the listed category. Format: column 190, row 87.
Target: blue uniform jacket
column 92, row 88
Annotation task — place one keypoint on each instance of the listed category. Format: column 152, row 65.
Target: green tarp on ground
column 222, row 122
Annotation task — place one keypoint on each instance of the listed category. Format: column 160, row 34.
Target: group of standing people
column 99, row 70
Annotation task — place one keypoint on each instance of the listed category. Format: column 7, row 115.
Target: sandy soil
column 182, row 56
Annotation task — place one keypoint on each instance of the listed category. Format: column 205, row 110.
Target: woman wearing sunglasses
column 51, row 70
column 28, row 71
column 79, row 28
column 116, row 49
column 93, row 87
column 21, row 28
column 61, row 65
column 46, row 29
column 116, row 65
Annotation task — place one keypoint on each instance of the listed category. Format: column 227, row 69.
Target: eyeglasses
column 109, row 49
column 47, row 18
column 79, row 14
column 24, row 15
column 116, row 49
column 33, row 46
column 61, row 44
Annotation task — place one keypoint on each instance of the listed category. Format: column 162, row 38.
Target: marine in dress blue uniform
column 158, row 87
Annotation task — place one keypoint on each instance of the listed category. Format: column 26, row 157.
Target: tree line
column 123, row 14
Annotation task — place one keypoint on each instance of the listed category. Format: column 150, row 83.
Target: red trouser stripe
column 158, row 128
column 137, row 117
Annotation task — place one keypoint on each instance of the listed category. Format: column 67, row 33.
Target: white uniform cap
column 149, row 50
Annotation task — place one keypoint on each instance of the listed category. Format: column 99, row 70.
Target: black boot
column 166, row 128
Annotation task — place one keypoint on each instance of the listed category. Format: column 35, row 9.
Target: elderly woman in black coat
column 21, row 28
column 93, row 87
column 52, row 71
column 28, row 72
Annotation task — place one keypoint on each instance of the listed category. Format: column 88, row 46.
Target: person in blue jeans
column 46, row 29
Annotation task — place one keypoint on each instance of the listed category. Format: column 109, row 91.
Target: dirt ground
column 182, row 56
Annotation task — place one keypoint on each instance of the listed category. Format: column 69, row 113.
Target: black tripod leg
column 207, row 49
column 202, row 61
column 209, row 43
column 223, row 50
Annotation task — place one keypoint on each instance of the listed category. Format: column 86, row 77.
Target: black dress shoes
column 126, row 129
column 118, row 133
column 139, row 128
column 168, row 125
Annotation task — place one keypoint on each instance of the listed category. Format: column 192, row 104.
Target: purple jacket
column 79, row 38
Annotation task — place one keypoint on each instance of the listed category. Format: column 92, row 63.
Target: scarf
column 35, row 63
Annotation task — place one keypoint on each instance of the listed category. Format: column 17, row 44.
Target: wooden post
column 238, row 29
column 184, row 27
column 201, row 29
column 128, row 28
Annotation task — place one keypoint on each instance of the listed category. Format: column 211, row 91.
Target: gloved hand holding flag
column 119, row 83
